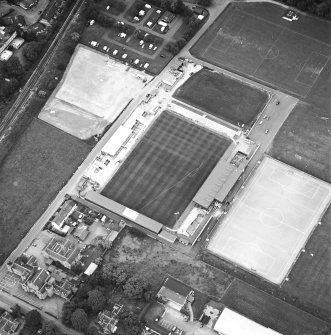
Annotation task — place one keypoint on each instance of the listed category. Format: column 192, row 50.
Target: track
column 27, row 91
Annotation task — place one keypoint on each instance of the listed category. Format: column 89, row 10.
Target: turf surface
column 270, row 311
column 303, row 141
column 252, row 39
column 310, row 278
column 42, row 160
column 222, row 96
column 166, row 169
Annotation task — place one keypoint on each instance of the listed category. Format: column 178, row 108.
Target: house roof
column 7, row 324
column 176, row 286
column 81, row 232
column 62, row 250
column 40, row 278
column 64, row 212
column 172, row 296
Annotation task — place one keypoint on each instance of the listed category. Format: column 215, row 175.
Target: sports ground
column 92, row 93
column 223, row 97
column 252, row 39
column 167, row 167
column 271, row 220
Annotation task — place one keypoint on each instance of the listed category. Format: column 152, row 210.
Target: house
column 61, row 216
column 108, row 320
column 81, row 232
column 61, row 250
column 17, row 42
column 37, row 283
column 6, row 37
column 175, row 294
column 24, row 266
column 8, row 324
column 90, row 269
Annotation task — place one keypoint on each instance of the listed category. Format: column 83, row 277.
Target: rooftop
column 62, row 250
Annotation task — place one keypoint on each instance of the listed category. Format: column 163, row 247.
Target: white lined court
column 271, row 220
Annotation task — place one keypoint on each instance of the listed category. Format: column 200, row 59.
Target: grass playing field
column 303, row 141
column 222, row 96
column 252, row 39
column 42, row 160
column 270, row 311
column 166, row 169
column 310, row 277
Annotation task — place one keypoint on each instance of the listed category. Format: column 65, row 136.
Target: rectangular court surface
column 165, row 170
column 222, row 96
column 271, row 220
column 252, row 39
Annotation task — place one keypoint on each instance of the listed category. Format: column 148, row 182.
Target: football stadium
column 167, row 167
column 271, row 219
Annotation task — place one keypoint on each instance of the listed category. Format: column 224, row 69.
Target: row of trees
column 93, row 296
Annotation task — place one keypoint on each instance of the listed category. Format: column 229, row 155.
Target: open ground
column 86, row 101
column 39, row 164
column 223, row 97
column 271, row 312
column 271, row 220
column 167, row 167
column 153, row 260
column 252, row 39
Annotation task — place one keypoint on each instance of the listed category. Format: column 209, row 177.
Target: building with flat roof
column 6, row 37
column 232, row 323
column 61, row 250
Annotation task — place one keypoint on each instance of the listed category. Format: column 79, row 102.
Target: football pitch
column 165, row 170
column 223, row 97
column 248, row 39
column 271, row 220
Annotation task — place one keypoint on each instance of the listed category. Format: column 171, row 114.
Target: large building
column 62, row 251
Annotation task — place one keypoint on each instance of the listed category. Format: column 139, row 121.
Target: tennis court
column 271, row 220
column 264, row 47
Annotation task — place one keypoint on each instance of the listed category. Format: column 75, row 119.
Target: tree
column 134, row 287
column 131, row 323
column 96, row 300
column 67, row 310
column 13, row 67
column 79, row 319
column 32, row 51
column 16, row 310
column 177, row 6
column 33, row 319
column 49, row 328
column 205, row 3
column 77, row 267
column 8, row 87
column 75, row 36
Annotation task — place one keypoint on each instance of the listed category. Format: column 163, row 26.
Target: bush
column 32, row 51
column 13, row 67
column 33, row 319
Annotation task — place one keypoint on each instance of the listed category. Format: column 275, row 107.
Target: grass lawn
column 222, row 96
column 252, row 39
column 311, row 276
column 167, row 167
column 271, row 312
column 153, row 260
column 303, row 141
column 39, row 164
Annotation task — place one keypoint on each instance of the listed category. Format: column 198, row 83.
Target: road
column 19, row 105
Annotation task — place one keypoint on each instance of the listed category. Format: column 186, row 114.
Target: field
column 166, row 169
column 271, row 220
column 86, row 101
column 42, row 160
column 152, row 260
column 252, row 39
column 303, row 141
column 311, row 276
column 223, row 97
column 271, row 312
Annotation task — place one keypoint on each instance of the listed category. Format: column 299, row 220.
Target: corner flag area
column 271, row 220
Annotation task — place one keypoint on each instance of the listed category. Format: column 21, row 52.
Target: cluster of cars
column 124, row 56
